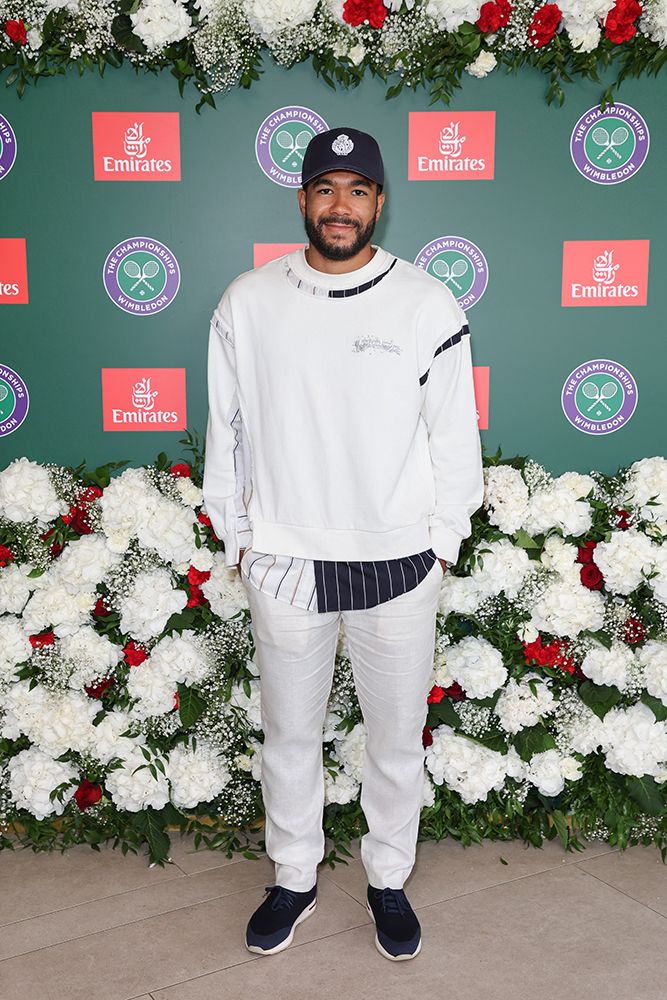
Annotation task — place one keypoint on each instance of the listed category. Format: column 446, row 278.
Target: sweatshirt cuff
column 224, row 520
column 445, row 543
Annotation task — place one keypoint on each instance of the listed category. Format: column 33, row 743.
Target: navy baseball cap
column 343, row 149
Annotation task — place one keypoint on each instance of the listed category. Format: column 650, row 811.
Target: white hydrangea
column 27, row 493
column 83, row 564
column 482, row 65
column 107, row 741
column 624, row 558
column 93, row 656
column 517, row 706
column 647, row 478
column 16, row 587
column 251, row 706
column 196, row 775
column 505, row 497
column 505, row 568
column 133, row 787
column 581, row 20
column 558, row 506
column 516, row 767
column 558, row 555
column 14, row 647
column 608, row 666
column 54, row 605
column 152, row 690
column 150, row 604
column 341, row 789
column 633, row 741
column 460, row 595
column 566, row 608
column 654, row 22
column 33, row 775
column 659, row 582
column 466, row 767
column 477, row 666
column 158, row 23
column 224, row 590
column 191, row 495
column 55, row 721
column 267, row 17
column 350, row 750
column 548, row 771
column 450, row 14
column 428, row 792
column 181, row 658
column 653, row 658
column 125, row 505
column 168, row 530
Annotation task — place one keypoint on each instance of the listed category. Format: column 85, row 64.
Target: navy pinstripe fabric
column 350, row 586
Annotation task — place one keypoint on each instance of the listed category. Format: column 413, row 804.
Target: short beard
column 338, row 251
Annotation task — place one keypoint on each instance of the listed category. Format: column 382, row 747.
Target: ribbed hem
column 339, row 544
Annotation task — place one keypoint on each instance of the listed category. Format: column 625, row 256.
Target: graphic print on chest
column 372, row 343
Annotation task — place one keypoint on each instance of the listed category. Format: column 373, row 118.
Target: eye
column 359, row 191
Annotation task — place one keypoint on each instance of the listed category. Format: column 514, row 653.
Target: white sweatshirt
column 346, row 402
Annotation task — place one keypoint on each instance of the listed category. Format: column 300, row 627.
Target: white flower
column 466, row 767
column 653, row 657
column 567, row 608
column 158, row 23
column 450, row 14
column 547, row 771
column 224, row 590
column 633, row 741
column 57, row 607
column 16, row 587
column 558, row 555
column 14, row 646
column 251, row 705
column 93, row 656
column 150, row 604
column 152, row 689
column 608, row 666
column 191, row 495
column 53, row 720
column 107, row 741
column 267, row 17
column 515, row 766
column 624, row 558
column 558, row 506
column 654, row 22
column 357, row 53
column 659, row 582
column 477, row 666
column 27, row 493
column 505, row 568
column 428, row 792
column 33, row 775
column 647, row 479
column 83, row 564
column 584, row 37
column 505, row 497
column 517, row 706
column 134, row 789
column 196, row 775
column 482, row 65
column 341, row 789
column 181, row 658
column 34, row 39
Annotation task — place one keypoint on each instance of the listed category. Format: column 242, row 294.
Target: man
column 343, row 464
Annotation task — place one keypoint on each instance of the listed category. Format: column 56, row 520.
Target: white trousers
column 391, row 652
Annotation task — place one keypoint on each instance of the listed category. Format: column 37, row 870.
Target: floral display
column 130, row 698
column 219, row 44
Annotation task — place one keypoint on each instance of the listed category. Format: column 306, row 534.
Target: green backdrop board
column 224, row 204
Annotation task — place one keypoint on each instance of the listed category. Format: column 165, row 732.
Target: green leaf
column 121, row 29
column 532, row 740
column 444, row 712
column 657, row 707
column 600, row 698
column 190, row 705
column 646, row 793
column 524, row 540
column 561, row 826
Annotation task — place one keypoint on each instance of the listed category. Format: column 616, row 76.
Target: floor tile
column 638, row 871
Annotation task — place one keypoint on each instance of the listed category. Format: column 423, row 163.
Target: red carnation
column 358, row 11
column 624, row 519
column 206, row 520
column 493, row 15
column 97, row 690
column 181, row 469
column 100, row 610
column 620, row 24
column 554, row 654
column 37, row 641
column 56, row 547
column 455, row 692
column 87, row 794
column 436, row 695
column 543, row 26
column 634, row 631
column 198, row 576
column 196, row 598
column 585, row 552
column 6, row 555
column 175, row 701
column 591, row 576
column 16, row 31
column 134, row 653
column 427, row 739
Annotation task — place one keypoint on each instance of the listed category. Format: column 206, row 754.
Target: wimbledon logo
column 7, row 147
column 281, row 142
column 608, row 147
column 14, row 401
column 599, row 397
column 141, row 276
column 459, row 264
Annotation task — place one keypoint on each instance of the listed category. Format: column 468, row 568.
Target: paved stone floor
column 548, row 924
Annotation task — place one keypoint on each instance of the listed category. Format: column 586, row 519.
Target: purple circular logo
column 141, row 276
column 599, row 396
column 7, row 147
column 14, row 401
column 459, row 264
column 608, row 147
column 281, row 142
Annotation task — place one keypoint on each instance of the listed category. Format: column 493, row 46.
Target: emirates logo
column 342, row 145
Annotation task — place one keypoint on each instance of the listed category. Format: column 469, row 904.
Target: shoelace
column 283, row 898
column 393, row 901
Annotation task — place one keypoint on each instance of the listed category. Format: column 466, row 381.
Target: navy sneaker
column 271, row 927
column 397, row 930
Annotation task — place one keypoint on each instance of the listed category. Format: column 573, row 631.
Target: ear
column 380, row 203
column 301, row 195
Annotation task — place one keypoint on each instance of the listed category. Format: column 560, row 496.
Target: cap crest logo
column 342, row 145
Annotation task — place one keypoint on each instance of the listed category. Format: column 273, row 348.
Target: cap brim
column 336, row 165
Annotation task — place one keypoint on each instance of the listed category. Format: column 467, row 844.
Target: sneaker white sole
column 288, row 940
column 392, row 958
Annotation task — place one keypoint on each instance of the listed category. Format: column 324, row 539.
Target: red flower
column 6, row 555
column 455, row 692
column 198, row 576
column 358, row 11
column 585, row 552
column 175, row 701
column 87, row 794
column 436, row 695
column 100, row 610
column 624, row 519
column 56, row 547
column 620, row 24
column 634, row 631
column 16, row 31
column 554, row 654
column 591, row 576
column 181, row 469
column 196, row 598
column 134, row 653
column 97, row 690
column 493, row 15
column 427, row 739
column 37, row 641
column 206, row 520
column 543, row 26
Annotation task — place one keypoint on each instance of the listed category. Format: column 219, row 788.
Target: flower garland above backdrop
column 218, row 44
column 130, row 697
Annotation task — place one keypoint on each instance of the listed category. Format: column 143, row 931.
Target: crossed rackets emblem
column 295, row 145
column 450, row 274
column 4, row 392
column 591, row 391
column 609, row 141
column 134, row 271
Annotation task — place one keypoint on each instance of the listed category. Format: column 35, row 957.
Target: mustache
column 344, row 221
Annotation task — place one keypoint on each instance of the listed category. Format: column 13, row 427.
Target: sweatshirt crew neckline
column 320, row 283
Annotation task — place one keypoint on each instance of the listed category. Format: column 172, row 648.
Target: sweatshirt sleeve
column 223, row 465
column 450, row 414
